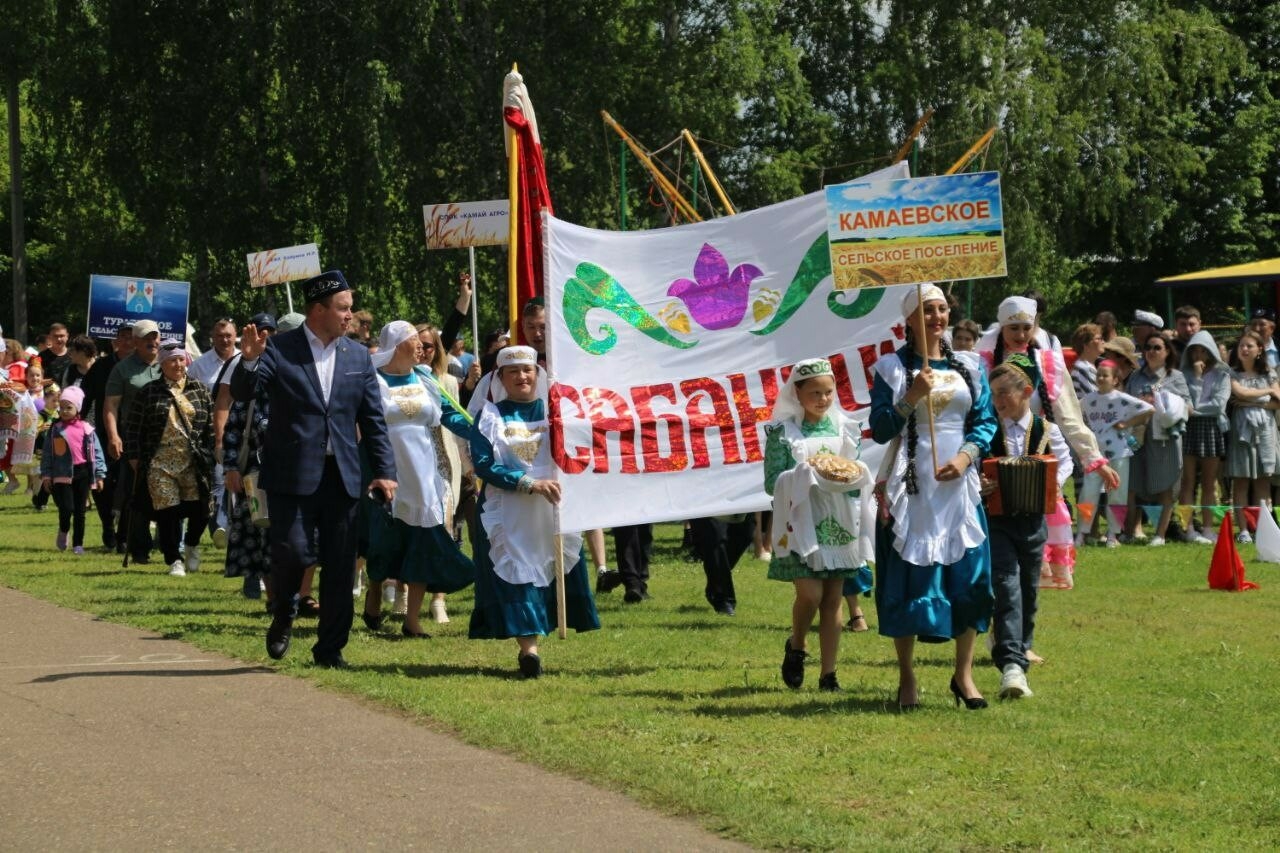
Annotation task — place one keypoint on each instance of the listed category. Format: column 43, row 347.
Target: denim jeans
column 1017, row 549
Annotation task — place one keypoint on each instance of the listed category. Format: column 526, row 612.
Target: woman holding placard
column 933, row 562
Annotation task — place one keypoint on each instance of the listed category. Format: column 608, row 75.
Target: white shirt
column 206, row 368
column 326, row 356
column 1015, row 437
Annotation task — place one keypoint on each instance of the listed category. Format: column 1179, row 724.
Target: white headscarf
column 508, row 356
column 787, row 404
column 392, row 335
column 926, row 293
column 1016, row 309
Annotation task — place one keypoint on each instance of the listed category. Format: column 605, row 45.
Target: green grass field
column 1153, row 723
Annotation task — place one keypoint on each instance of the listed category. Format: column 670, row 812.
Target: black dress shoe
column 373, row 623
column 333, row 662
column 726, row 609
column 530, row 665
column 635, row 596
column 607, row 581
column 420, row 635
column 828, row 683
column 278, row 637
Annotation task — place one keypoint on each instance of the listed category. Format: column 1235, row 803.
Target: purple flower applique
column 717, row 298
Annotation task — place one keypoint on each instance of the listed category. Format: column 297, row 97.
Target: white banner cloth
column 666, row 349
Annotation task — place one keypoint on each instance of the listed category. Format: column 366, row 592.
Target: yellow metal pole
column 972, row 152
column 911, row 137
column 663, row 184
column 513, row 234
column 706, row 170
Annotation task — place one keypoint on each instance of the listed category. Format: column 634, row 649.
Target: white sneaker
column 400, row 604
column 191, row 554
column 1211, row 537
column 1113, row 542
column 219, row 537
column 438, row 611
column 389, row 593
column 1200, row 539
column 1243, row 537
column 1155, row 542
column 177, row 569
column 1013, row 683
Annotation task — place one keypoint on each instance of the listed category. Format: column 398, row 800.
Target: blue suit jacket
column 301, row 424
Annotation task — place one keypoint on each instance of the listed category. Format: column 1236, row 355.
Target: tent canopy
column 1258, row 271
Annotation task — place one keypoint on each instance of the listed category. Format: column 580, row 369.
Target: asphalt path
column 113, row 738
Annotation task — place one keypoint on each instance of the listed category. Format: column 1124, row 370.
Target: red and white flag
column 532, row 194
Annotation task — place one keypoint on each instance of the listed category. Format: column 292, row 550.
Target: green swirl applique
column 814, row 267
column 593, row 287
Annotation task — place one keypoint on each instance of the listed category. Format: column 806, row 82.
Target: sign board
column 115, row 300
column 667, row 349
column 277, row 266
column 916, row 229
column 458, row 225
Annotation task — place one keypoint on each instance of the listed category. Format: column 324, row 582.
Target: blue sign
column 116, row 300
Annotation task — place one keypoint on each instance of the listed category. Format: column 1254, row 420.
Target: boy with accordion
column 1020, row 482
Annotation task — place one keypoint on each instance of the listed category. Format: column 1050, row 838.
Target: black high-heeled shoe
column 973, row 704
column 908, row 707
column 417, row 635
column 373, row 623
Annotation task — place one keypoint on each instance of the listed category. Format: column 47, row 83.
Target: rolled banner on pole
column 513, row 244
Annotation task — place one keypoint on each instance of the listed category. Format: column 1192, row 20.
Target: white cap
column 927, row 293
column 1146, row 318
column 1016, row 309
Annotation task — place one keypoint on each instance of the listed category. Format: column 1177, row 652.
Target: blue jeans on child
column 1017, row 549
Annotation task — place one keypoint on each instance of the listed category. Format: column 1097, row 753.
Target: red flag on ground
column 1226, row 569
column 532, row 194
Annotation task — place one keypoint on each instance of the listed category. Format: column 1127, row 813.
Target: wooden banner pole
column 924, row 356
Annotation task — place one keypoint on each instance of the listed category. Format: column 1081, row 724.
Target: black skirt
column 1203, row 439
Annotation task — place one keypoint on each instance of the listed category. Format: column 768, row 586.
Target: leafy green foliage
column 1135, row 139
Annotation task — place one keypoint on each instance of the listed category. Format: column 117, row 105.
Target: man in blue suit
column 324, row 397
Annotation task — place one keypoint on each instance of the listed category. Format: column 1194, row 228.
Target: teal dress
column 410, row 544
column 933, row 558
column 778, row 458
column 517, row 598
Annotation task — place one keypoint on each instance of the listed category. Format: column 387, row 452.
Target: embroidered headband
column 812, row 367
column 508, row 356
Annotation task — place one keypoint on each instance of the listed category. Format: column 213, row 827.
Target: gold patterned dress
column 171, row 476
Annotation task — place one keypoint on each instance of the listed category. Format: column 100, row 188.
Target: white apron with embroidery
column 522, row 528
column 941, row 522
column 822, row 527
column 411, row 411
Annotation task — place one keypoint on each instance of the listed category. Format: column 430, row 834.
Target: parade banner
column 116, row 300
column 278, row 266
column 941, row 228
column 458, row 225
column 667, row 349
